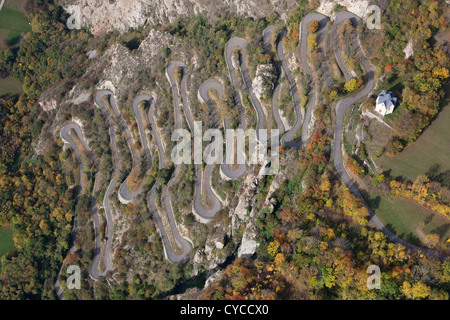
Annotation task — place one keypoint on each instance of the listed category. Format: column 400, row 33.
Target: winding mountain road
column 233, row 174
column 140, row 125
column 323, row 26
column 267, row 37
column 94, row 271
column 64, row 134
column 125, row 196
column 170, row 254
column 242, row 44
column 155, row 132
column 180, row 241
column 340, row 17
column 303, row 35
column 113, row 182
column 203, row 182
column 288, row 138
column 168, row 250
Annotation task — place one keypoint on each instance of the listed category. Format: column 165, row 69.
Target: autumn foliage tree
column 313, row 26
column 354, row 207
column 353, row 84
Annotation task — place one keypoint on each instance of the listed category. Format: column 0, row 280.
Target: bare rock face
column 214, row 278
column 122, row 66
column 100, row 15
column 264, row 81
column 409, row 49
column 48, row 105
column 248, row 244
column 212, row 255
column 107, row 15
column 358, row 7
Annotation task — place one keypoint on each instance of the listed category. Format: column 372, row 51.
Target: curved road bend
column 64, row 134
column 241, row 168
column 204, row 182
column 340, row 110
column 288, row 138
column 181, row 242
column 176, row 99
column 114, row 179
column 340, row 17
column 197, row 206
column 242, row 43
column 323, row 25
column 170, row 254
column 94, row 271
column 303, row 35
column 267, row 36
column 184, row 245
column 137, row 115
column 125, row 196
column 154, row 130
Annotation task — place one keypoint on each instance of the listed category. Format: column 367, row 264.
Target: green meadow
column 12, row 23
column 10, row 86
column 6, row 240
column 429, row 154
column 13, row 19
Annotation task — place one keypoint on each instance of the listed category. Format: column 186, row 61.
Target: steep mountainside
column 120, row 15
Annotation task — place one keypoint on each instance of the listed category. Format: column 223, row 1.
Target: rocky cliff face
column 358, row 7
column 107, row 15
column 263, row 83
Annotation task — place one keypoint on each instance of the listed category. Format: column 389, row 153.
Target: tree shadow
column 435, row 175
column 441, row 230
column 387, row 173
column 443, row 178
column 411, row 238
column 428, row 218
column 433, row 171
column 374, row 203
column 408, row 237
column 391, row 228
column 397, row 88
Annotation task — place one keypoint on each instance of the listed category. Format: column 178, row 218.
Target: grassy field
column 14, row 37
column 10, row 86
column 404, row 217
column 429, row 154
column 6, row 241
column 16, row 4
column 4, row 33
column 13, row 21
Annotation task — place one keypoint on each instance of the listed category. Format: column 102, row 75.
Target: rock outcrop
column 358, row 7
column 264, row 81
column 103, row 16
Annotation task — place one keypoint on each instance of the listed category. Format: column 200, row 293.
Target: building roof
column 387, row 97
